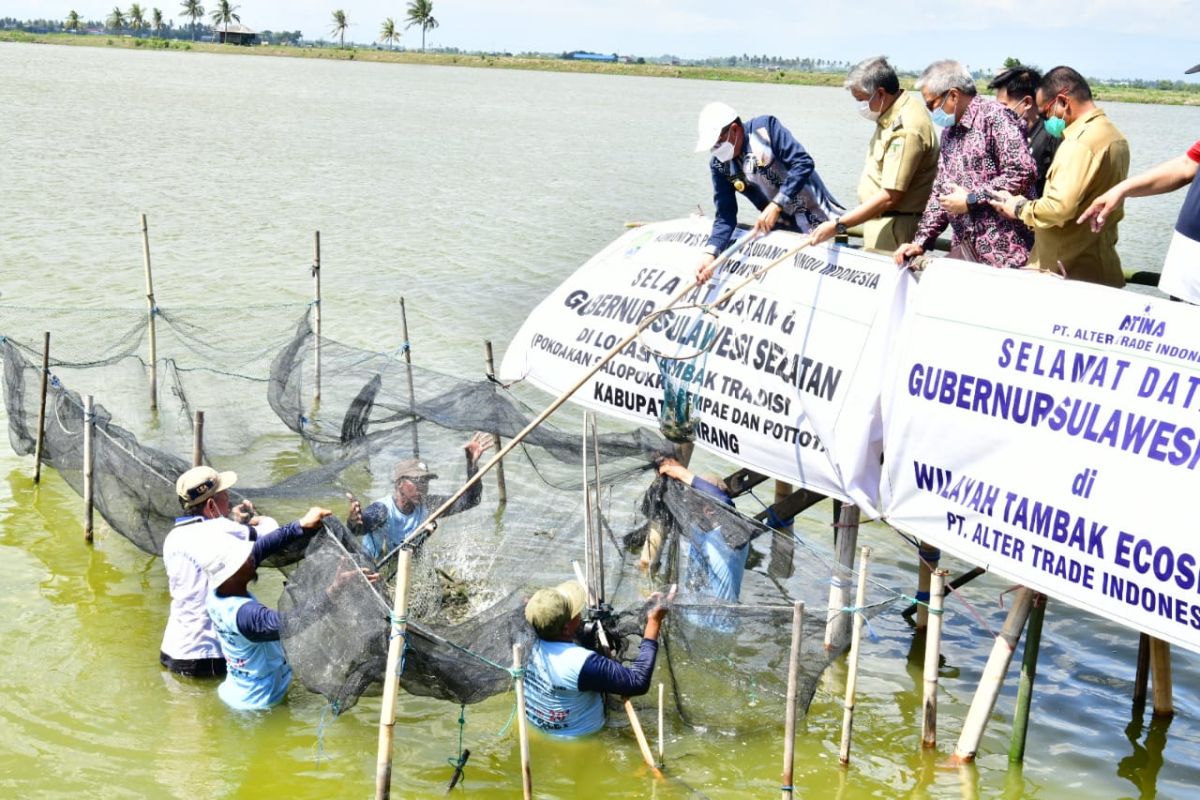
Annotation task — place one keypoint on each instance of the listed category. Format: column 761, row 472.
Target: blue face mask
column 1055, row 127
column 941, row 118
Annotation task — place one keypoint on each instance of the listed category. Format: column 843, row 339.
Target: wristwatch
column 972, row 199
column 839, row 227
column 1019, row 207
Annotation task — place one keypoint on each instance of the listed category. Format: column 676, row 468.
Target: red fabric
column 1194, row 152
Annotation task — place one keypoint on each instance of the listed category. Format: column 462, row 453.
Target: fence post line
column 41, row 431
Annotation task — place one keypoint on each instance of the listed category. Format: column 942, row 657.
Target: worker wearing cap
column 763, row 161
column 189, row 644
column 902, row 159
column 390, row 520
column 257, row 673
column 564, row 681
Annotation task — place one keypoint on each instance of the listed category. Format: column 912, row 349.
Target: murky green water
column 472, row 193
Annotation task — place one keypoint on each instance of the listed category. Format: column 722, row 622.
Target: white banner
column 1048, row 430
column 785, row 379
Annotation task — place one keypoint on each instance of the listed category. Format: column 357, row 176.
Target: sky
column 1101, row 38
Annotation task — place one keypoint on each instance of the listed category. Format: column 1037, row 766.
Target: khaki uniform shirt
column 902, row 155
column 1093, row 157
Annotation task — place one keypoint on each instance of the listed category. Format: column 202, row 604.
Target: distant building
column 234, row 33
column 581, row 55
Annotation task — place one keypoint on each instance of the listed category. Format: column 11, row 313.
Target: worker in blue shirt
column 762, row 160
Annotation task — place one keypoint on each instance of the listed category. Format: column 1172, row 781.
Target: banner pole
column 933, row 652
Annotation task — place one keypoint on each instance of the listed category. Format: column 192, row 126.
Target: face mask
column 941, row 118
column 1055, row 127
column 723, row 152
column 864, row 110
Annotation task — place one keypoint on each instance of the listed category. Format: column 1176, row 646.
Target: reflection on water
column 1141, row 767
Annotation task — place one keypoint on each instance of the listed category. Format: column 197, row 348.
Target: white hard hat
column 713, row 119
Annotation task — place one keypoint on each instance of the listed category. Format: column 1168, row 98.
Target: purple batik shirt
column 985, row 149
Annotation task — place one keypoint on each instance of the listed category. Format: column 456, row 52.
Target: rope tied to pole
column 459, row 762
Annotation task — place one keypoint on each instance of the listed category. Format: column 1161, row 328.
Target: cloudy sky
column 1102, row 38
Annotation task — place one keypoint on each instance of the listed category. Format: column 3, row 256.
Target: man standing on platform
column 901, row 161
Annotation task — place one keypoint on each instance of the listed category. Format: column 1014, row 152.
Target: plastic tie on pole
column 787, row 788
column 403, row 348
column 303, row 420
column 517, row 673
column 55, row 383
column 155, row 311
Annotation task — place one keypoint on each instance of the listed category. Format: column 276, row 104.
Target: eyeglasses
column 937, row 103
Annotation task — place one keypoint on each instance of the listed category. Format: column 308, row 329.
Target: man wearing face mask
column 1017, row 89
column 983, row 151
column 901, row 160
column 762, row 160
column 1092, row 157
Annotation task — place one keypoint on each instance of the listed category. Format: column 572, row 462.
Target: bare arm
column 1165, row 177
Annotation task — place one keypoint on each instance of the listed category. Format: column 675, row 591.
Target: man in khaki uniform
column 1093, row 157
column 901, row 161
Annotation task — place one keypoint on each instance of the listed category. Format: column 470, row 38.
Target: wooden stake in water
column 993, row 676
column 391, row 678
column 837, row 623
column 1033, row 641
column 198, row 439
column 89, row 434
column 412, row 394
column 501, row 485
column 1160, row 677
column 41, row 432
column 855, row 642
column 789, row 719
column 152, row 310
column 316, row 274
column 1141, row 678
column 661, row 760
column 927, row 561
column 522, row 723
column 933, row 653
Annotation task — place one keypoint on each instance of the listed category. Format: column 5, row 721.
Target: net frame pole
column 837, row 622
column 993, row 677
column 1160, row 678
column 412, row 394
column 198, row 439
column 151, row 310
column 41, row 430
column 316, row 276
column 1141, row 678
column 598, row 517
column 860, row 600
column 661, row 758
column 1033, row 642
column 427, row 527
column 933, row 652
column 522, row 722
column 928, row 557
column 501, row 484
column 391, row 679
column 589, row 569
column 89, row 435
column 789, row 719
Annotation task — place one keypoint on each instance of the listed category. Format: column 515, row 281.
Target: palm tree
column 420, row 12
column 156, row 21
column 339, row 27
column 72, row 21
column 116, row 20
column 388, row 33
column 193, row 9
column 225, row 13
column 137, row 18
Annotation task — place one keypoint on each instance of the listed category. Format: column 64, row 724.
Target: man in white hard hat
column 762, row 160
column 189, row 645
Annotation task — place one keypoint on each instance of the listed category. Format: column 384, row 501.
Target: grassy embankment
column 739, row 74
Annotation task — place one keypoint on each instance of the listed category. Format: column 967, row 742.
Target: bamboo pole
column 522, row 722
column 316, row 275
column 412, row 394
column 391, row 678
column 89, row 435
column 993, row 676
column 1160, row 677
column 152, row 310
column 1033, row 641
column 501, row 484
column 198, row 439
column 864, row 560
column 783, row 491
column 927, row 561
column 1141, row 679
column 933, row 653
column 789, row 719
column 661, row 759
column 589, row 568
column 428, row 525
column 598, row 516
column 41, row 432
column 838, row 623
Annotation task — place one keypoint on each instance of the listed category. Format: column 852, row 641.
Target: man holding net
column 390, row 520
column 564, row 682
column 189, row 645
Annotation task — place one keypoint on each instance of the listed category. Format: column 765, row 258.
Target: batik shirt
column 985, row 149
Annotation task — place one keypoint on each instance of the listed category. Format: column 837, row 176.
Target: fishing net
column 725, row 647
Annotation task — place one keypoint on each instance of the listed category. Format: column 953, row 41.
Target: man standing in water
column 762, row 160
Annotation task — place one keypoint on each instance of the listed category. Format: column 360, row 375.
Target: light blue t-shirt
column 715, row 569
column 257, row 673
column 553, row 701
column 399, row 527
